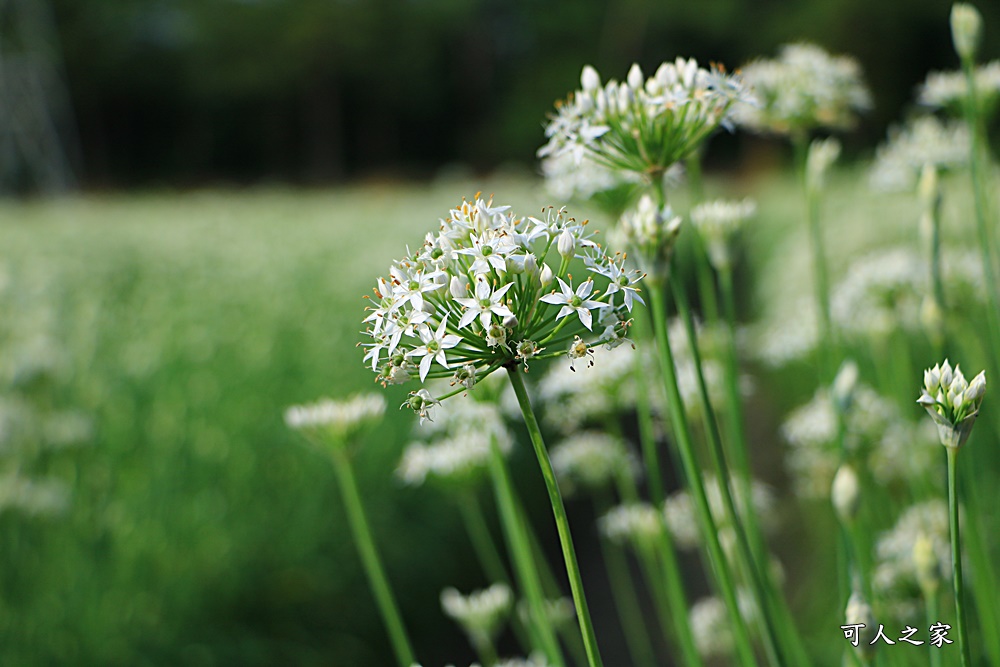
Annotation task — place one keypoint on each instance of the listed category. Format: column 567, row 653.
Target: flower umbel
column 478, row 295
column 952, row 402
column 642, row 125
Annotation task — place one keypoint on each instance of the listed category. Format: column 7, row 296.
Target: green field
column 199, row 529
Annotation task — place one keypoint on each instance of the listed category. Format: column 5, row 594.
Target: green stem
column 559, row 512
column 685, row 447
column 479, row 535
column 985, row 591
column 369, row 558
column 978, row 169
column 544, row 637
column 933, row 616
column 630, row 615
column 956, row 555
column 744, row 553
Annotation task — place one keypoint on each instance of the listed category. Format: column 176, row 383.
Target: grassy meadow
column 199, row 530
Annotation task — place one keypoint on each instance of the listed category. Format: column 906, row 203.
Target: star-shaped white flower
column 575, row 301
column 433, row 349
column 485, row 305
column 410, row 286
column 488, row 250
column 621, row 281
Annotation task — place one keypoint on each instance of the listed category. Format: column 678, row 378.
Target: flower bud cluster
column 642, row 125
column 952, row 402
column 481, row 613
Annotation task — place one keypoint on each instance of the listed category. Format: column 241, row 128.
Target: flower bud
column 966, row 28
column 846, row 493
column 566, row 245
column 635, row 78
column 926, row 564
column 590, row 79
column 531, row 264
column 844, row 386
column 822, row 154
column 510, row 321
column 546, row 276
column 459, row 287
column 860, row 612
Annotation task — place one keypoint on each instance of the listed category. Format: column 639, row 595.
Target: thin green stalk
column 933, row 616
column 647, row 436
column 956, row 556
column 479, row 535
column 979, row 174
column 709, row 530
column 562, row 521
column 370, row 559
column 623, row 588
column 668, row 589
column 985, row 590
column 820, row 273
column 524, row 563
column 744, row 553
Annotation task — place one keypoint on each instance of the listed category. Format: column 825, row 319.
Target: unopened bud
column 546, row 276
column 566, row 244
column 966, row 28
column 846, row 493
column 459, row 287
column 635, row 78
column 844, row 386
column 926, row 564
column 590, row 79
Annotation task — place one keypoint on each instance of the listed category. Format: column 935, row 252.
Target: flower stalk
column 368, row 553
column 562, row 521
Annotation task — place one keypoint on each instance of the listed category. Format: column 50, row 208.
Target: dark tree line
column 184, row 92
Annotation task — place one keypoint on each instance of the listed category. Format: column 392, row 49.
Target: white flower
column 639, row 522
column 481, row 613
column 642, row 125
column 804, row 88
column 577, row 301
column 950, row 89
column 622, row 280
column 474, row 297
column 924, row 141
column 341, row 419
column 433, row 349
column 716, row 222
column 485, row 305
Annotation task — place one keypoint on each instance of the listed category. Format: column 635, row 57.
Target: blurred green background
column 182, row 311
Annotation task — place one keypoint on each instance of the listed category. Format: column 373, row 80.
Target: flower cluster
column 803, row 89
column 925, row 141
column 914, row 556
column 481, row 613
column 643, row 125
column 952, row 402
column 680, row 517
column 591, row 460
column 338, row 420
column 489, row 289
column 949, row 90
column 651, row 232
column 716, row 222
column 459, row 453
